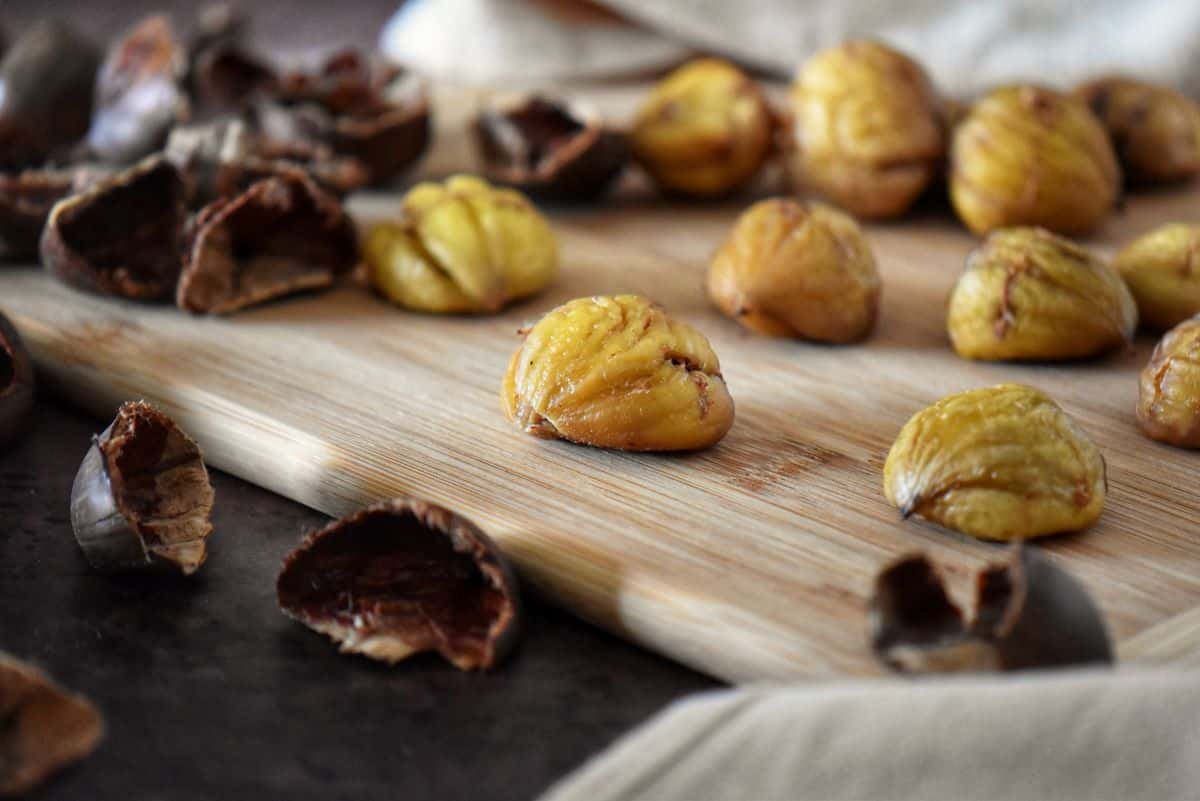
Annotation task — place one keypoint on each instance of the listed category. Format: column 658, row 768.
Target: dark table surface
column 210, row 692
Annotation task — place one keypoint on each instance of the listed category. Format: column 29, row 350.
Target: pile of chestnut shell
column 121, row 168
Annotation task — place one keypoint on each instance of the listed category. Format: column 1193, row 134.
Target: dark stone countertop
column 210, row 692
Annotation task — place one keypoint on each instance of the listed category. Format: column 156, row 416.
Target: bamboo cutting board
column 750, row 560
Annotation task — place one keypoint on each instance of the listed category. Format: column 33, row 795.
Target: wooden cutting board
column 750, row 560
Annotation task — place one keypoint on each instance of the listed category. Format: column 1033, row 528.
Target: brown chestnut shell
column 360, row 108
column 46, row 84
column 16, row 382
column 141, row 499
column 25, row 202
column 138, row 93
column 281, row 236
column 121, row 236
column 1030, row 614
column 403, row 577
column 46, row 727
column 548, row 148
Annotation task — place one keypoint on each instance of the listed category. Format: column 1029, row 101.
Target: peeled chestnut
column 141, row 499
column 1029, row 614
column 704, row 131
column 404, row 577
column 45, row 727
column 45, row 93
column 16, row 382
column 121, row 236
column 281, row 236
column 548, row 148
column 377, row 114
column 1155, row 130
column 25, row 202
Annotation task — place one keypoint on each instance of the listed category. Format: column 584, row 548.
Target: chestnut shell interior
column 8, row 367
column 527, row 135
column 388, row 574
column 159, row 482
column 128, row 231
column 280, row 236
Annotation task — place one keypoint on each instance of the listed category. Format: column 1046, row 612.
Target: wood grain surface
column 751, row 560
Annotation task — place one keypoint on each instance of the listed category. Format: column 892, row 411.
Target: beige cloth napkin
column 966, row 44
column 1092, row 735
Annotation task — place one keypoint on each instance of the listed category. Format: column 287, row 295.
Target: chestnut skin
column 16, row 382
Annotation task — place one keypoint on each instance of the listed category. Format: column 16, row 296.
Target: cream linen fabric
column 968, row 45
column 1084, row 735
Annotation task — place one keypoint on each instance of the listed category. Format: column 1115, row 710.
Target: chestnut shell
column 404, row 577
column 548, row 149
column 16, row 382
column 142, row 499
column 281, row 236
column 25, row 202
column 46, row 84
column 1030, row 614
column 45, row 727
column 138, row 93
column 121, row 236
column 376, row 114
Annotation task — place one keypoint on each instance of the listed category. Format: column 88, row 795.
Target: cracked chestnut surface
column 618, row 372
column 404, row 577
column 868, row 130
column 999, row 463
column 1168, row 406
column 141, row 498
column 1030, row 295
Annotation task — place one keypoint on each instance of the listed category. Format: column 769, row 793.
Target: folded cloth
column 1073, row 735
column 968, row 46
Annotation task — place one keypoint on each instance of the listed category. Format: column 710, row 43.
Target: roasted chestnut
column 1030, row 614
column 404, row 577
column 377, row 114
column 45, row 93
column 548, row 148
column 25, row 202
column 141, row 499
column 121, row 236
column 16, row 382
column 138, row 93
column 45, row 727
column 281, row 236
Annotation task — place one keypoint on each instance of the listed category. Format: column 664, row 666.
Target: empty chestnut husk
column 16, row 382
column 121, row 236
column 43, row 727
column 1030, row 614
column 46, row 84
column 377, row 114
column 224, row 158
column 281, row 236
column 138, row 93
column 25, row 201
column 404, row 577
column 548, row 148
column 141, row 499
column 227, row 78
